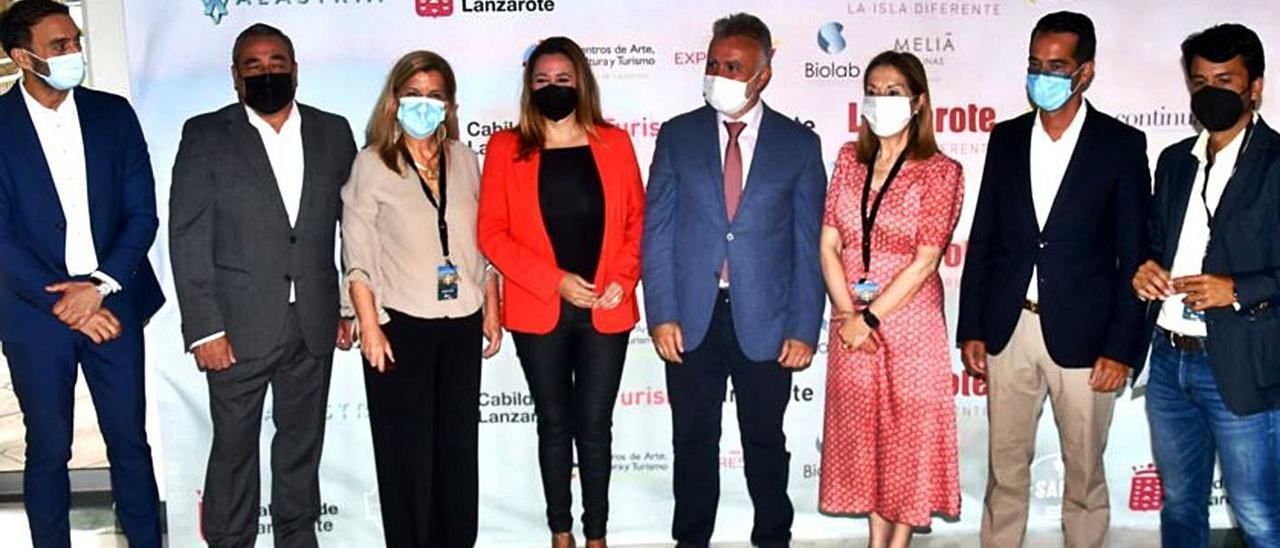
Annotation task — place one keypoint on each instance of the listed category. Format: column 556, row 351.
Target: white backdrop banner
column 648, row 56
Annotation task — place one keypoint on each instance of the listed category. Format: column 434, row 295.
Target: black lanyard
column 441, row 223
column 869, row 221
column 1204, row 189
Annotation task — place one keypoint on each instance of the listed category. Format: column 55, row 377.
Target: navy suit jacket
column 771, row 245
column 1090, row 247
column 122, row 213
column 1244, row 345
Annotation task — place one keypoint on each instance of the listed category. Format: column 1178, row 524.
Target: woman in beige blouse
column 420, row 290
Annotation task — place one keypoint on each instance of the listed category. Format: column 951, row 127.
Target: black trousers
column 424, row 414
column 299, row 384
column 573, row 375
column 697, row 392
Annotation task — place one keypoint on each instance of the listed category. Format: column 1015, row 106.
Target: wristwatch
column 872, row 320
column 101, row 286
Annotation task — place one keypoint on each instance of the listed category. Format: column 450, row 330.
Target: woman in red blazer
column 561, row 215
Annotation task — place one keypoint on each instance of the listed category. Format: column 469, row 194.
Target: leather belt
column 1185, row 343
column 1031, row 306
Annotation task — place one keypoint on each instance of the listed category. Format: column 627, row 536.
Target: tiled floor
column 93, row 527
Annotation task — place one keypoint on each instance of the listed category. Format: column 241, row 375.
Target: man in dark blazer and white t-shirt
column 1213, row 285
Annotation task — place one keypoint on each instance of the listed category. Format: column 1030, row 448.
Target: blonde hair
column 383, row 133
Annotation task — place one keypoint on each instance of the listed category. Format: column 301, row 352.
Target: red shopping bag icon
column 434, row 8
column 1146, row 493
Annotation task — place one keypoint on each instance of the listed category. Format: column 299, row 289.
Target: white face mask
column 887, row 115
column 726, row 95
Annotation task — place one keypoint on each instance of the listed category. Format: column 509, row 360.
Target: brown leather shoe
column 563, row 540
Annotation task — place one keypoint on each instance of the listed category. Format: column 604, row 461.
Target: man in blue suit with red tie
column 731, row 278
column 77, row 216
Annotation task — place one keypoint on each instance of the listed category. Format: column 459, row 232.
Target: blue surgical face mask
column 1050, row 91
column 420, row 116
column 65, row 71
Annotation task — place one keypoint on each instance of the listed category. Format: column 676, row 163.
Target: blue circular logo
column 831, row 38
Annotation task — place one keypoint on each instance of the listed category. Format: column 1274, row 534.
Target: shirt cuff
column 210, row 338
column 106, row 280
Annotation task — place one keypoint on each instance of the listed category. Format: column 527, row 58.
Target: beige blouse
column 391, row 244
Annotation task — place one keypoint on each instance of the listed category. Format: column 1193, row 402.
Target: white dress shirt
column 60, row 138
column 746, row 142
column 1193, row 241
column 1049, row 161
column 284, row 152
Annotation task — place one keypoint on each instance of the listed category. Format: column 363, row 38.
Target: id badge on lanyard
column 865, row 291
column 446, row 274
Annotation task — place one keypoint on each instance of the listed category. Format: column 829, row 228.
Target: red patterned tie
column 732, row 179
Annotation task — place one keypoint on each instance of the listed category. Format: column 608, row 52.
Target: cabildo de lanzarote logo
column 1146, row 492
column 444, row 8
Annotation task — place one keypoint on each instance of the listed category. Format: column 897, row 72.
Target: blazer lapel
column 764, row 141
column 253, row 152
column 96, row 165
column 1025, row 200
column 1076, row 167
column 39, row 180
column 609, row 189
column 714, row 158
column 311, row 153
column 1182, row 180
column 1256, row 147
column 525, row 190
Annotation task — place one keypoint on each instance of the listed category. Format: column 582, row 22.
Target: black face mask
column 268, row 93
column 1217, row 109
column 556, row 102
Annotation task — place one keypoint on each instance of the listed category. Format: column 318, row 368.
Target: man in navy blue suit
column 77, row 216
column 1057, row 233
column 1213, row 286
column 731, row 278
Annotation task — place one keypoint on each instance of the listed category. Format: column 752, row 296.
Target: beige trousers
column 1018, row 380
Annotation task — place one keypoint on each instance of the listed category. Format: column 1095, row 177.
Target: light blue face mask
column 1050, row 91
column 420, row 116
column 65, row 71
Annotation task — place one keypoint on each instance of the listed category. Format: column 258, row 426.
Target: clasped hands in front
column 80, row 308
column 854, row 331
column 582, row 294
column 1203, row 291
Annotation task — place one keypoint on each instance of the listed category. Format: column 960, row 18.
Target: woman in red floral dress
column 889, row 439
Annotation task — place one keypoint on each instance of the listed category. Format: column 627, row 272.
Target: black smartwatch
column 872, row 320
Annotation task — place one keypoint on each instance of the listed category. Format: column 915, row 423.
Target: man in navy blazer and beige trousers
column 77, row 216
column 1057, row 233
column 731, row 276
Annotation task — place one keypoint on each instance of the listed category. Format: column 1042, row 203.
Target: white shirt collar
column 1227, row 154
column 752, row 117
column 291, row 124
column 1073, row 130
column 67, row 108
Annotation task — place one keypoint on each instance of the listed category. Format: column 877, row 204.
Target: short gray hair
column 747, row 26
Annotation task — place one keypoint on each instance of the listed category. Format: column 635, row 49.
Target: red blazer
column 513, row 237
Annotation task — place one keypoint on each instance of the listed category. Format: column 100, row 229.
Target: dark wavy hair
column 1222, row 43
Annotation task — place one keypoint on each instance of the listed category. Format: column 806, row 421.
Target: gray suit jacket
column 234, row 254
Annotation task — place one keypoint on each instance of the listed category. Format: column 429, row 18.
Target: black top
column 572, row 201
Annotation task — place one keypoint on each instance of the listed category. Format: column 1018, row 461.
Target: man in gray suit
column 253, row 212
